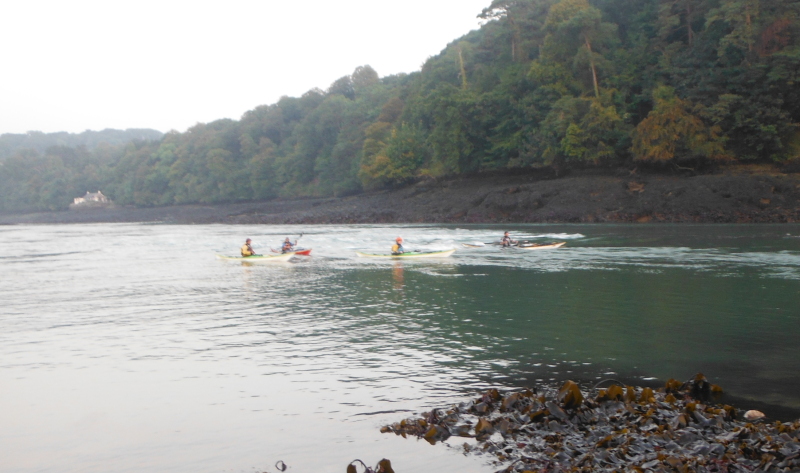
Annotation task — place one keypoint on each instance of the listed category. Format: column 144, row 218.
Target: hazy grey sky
column 73, row 65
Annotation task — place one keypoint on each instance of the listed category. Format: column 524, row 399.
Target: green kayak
column 259, row 258
column 542, row 246
column 410, row 254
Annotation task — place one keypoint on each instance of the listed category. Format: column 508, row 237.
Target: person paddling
column 397, row 248
column 507, row 241
column 247, row 249
column 288, row 246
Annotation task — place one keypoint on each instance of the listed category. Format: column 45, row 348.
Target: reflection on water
column 397, row 275
column 121, row 350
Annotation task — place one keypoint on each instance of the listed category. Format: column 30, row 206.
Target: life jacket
column 247, row 250
column 397, row 249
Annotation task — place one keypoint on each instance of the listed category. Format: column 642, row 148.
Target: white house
column 91, row 198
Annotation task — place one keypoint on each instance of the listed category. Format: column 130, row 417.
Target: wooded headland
column 544, row 86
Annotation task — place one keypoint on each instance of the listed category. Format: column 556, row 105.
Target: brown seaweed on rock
column 383, row 466
column 674, row 428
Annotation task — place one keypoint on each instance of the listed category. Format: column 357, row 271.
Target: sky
column 76, row 65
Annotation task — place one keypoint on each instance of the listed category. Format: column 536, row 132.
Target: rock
column 754, row 415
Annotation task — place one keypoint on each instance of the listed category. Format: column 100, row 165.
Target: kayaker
column 507, row 241
column 397, row 248
column 247, row 250
column 288, row 246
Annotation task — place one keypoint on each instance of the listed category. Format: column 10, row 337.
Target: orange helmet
column 398, row 239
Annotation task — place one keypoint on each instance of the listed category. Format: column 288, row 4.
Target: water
column 130, row 347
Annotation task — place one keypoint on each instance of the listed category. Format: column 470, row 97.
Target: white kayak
column 543, row 246
column 259, row 258
column 409, row 254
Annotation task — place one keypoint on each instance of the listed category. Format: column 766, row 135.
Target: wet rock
column 675, row 428
column 753, row 415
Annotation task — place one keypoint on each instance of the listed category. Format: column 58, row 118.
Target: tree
column 262, row 173
column 398, row 163
column 343, row 86
column 740, row 17
column 678, row 18
column 504, row 10
column 672, row 131
column 363, row 79
column 569, row 20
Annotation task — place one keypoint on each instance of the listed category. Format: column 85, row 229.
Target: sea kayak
column 302, row 251
column 410, row 254
column 543, row 246
column 259, row 258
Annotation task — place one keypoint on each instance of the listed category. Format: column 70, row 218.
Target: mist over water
column 130, row 347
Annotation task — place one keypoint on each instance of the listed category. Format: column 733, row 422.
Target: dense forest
column 10, row 143
column 543, row 83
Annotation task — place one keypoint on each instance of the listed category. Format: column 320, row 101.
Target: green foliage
column 10, row 143
column 581, row 130
column 542, row 83
column 672, row 129
column 393, row 156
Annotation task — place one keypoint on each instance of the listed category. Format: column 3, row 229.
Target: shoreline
column 678, row 426
column 738, row 195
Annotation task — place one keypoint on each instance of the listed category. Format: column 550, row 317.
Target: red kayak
column 303, row 252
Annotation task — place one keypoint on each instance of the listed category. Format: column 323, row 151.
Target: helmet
column 398, row 239
column 248, row 240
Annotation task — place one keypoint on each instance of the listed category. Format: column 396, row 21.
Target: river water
column 132, row 348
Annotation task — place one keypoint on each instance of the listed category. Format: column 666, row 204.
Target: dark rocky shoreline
column 744, row 194
column 678, row 427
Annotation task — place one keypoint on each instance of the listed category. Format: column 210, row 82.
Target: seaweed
column 618, row 428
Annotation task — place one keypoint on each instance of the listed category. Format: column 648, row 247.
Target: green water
column 132, row 348
column 643, row 304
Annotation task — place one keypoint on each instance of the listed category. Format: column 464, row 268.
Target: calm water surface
column 131, row 348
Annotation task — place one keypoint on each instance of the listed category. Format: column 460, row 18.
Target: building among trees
column 91, row 199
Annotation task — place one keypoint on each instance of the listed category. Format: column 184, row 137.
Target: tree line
column 10, row 143
column 543, row 83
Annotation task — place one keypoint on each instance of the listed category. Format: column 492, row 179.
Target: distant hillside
column 36, row 140
column 679, row 86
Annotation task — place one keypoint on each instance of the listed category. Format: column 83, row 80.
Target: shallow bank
column 737, row 195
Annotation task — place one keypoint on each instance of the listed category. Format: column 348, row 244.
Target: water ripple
column 137, row 335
